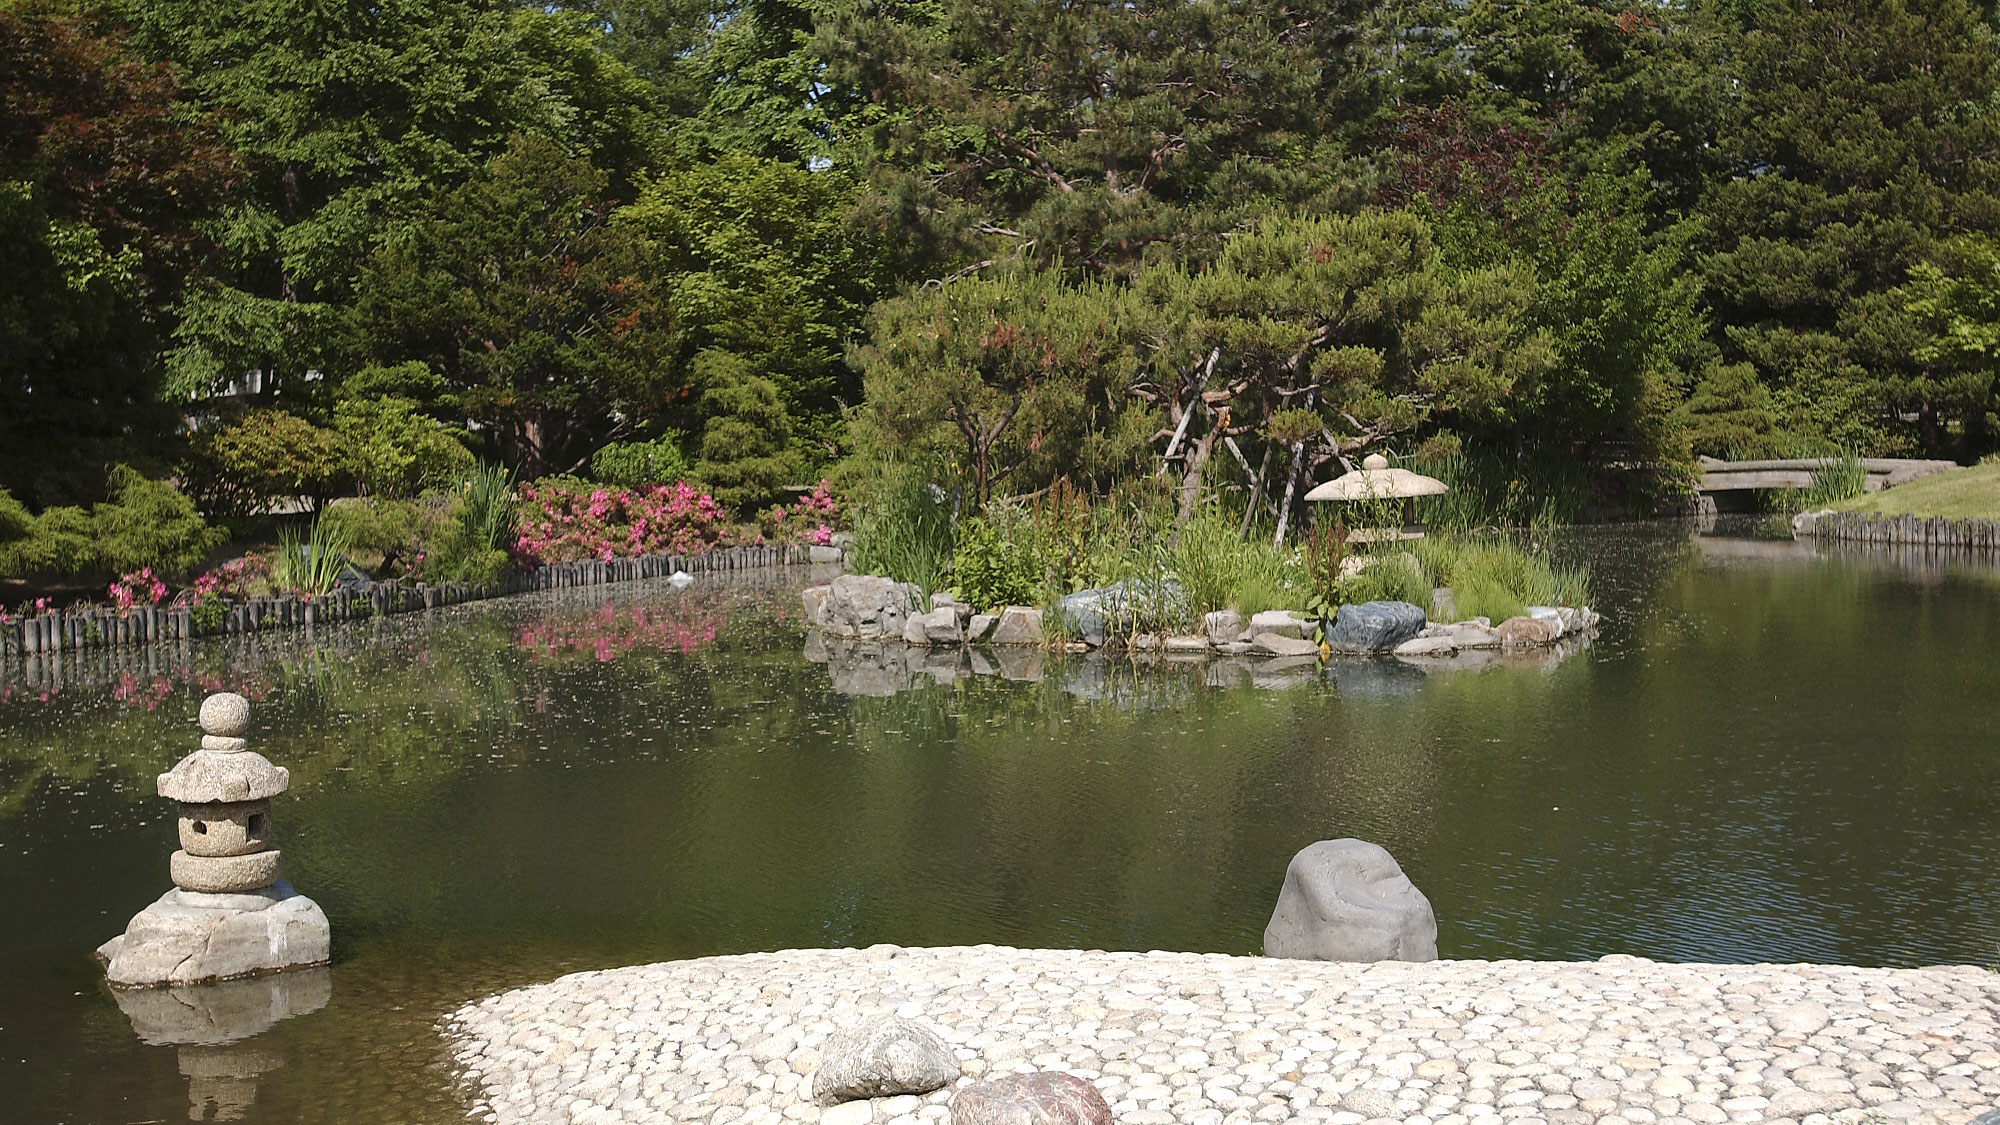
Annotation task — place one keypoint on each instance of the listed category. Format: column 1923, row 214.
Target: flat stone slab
column 187, row 937
column 1208, row 1039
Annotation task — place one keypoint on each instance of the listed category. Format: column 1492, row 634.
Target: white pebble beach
column 1210, row 1039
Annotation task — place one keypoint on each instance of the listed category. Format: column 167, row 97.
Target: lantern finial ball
column 225, row 715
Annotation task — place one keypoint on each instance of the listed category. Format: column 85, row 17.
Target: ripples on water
column 1765, row 755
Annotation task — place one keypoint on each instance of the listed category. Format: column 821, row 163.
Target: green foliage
column 1842, row 478
column 1013, row 377
column 393, row 449
column 105, row 186
column 149, row 523
column 310, row 565
column 1395, row 577
column 490, row 507
column 1731, row 414
column 383, row 535
column 637, row 464
column 992, row 568
column 144, row 523
column 350, row 119
column 1865, row 139
column 1218, row 569
column 903, row 528
column 1495, row 577
column 262, row 458
column 1959, row 302
column 516, row 289
column 747, row 457
column 1488, row 489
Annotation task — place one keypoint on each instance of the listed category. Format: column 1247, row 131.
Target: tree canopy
column 1224, row 244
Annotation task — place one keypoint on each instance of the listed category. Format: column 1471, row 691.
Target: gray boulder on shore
column 1374, row 626
column 865, row 607
column 882, row 1057
column 1348, row 900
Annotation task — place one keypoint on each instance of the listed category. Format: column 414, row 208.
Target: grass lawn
column 1962, row 493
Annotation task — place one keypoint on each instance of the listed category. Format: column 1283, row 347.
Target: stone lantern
column 229, row 915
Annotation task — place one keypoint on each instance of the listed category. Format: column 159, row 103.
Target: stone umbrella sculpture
column 1375, row 480
column 229, row 915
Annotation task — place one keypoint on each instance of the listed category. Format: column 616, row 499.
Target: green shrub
column 393, row 449
column 264, row 457
column 383, row 535
column 149, row 523
column 991, row 567
column 145, row 523
column 636, row 464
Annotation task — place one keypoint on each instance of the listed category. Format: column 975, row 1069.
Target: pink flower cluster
column 233, row 578
column 810, row 519
column 140, row 587
column 564, row 520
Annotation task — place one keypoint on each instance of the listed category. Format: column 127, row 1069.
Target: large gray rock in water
column 1040, row 1098
column 885, row 1056
column 1347, row 900
column 866, row 607
column 214, row 1014
column 1374, row 626
column 187, row 938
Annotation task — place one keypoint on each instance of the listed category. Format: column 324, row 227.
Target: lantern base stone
column 188, row 938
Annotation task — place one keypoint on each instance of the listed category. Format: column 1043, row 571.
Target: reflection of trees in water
column 404, row 697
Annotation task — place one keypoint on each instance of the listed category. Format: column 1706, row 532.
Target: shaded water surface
column 1765, row 755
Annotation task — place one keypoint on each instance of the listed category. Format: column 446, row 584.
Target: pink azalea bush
column 562, row 520
column 140, row 587
column 231, row 579
column 810, row 519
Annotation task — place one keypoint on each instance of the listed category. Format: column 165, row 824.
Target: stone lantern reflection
column 229, row 914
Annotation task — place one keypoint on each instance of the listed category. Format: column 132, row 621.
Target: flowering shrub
column 810, row 519
column 233, row 578
column 140, row 587
column 562, row 520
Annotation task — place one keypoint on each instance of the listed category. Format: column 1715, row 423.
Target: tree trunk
column 1191, row 483
column 1256, row 493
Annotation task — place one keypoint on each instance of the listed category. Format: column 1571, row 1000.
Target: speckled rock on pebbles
column 1216, row 1040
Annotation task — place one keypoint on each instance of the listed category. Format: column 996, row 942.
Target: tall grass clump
column 490, row 506
column 903, row 530
column 1842, row 478
column 310, row 565
column 1496, row 578
column 1397, row 577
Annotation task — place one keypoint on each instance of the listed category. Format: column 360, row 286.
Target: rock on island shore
column 1209, row 1039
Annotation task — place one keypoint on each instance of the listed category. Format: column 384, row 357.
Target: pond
column 1766, row 754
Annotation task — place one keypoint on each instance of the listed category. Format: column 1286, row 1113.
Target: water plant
column 903, row 529
column 310, row 565
column 1841, row 478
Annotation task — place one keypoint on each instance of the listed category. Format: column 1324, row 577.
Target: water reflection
column 1150, row 680
column 224, row 1032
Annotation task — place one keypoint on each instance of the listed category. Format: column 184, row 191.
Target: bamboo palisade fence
column 1914, row 531
column 85, row 627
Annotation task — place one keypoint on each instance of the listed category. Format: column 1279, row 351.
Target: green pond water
column 1766, row 754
